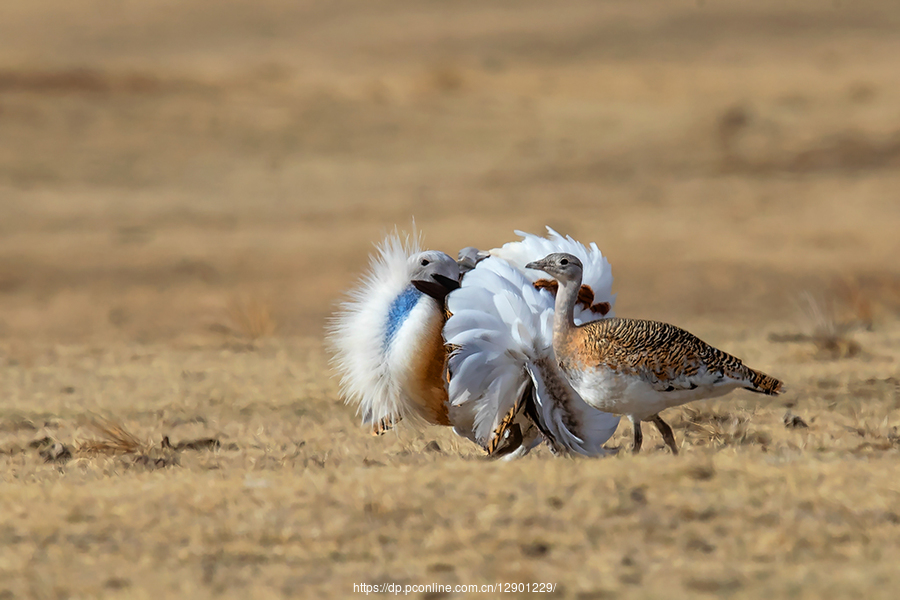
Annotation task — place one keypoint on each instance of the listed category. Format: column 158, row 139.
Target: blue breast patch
column 399, row 310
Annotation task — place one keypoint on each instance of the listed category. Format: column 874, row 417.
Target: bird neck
column 564, row 311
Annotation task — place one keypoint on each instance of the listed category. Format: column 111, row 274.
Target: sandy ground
column 188, row 187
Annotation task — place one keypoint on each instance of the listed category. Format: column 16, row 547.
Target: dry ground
column 186, row 188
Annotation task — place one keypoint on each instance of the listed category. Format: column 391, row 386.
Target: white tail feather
column 501, row 331
column 597, row 272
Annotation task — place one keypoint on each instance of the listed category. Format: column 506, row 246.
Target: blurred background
column 171, row 170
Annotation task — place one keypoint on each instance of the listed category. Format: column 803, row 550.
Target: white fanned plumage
column 505, row 387
column 386, row 336
column 596, row 301
column 507, row 392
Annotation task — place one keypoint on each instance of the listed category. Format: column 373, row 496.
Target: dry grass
column 298, row 498
column 858, row 306
column 709, row 427
column 114, row 440
column 881, row 431
column 248, row 318
column 831, row 337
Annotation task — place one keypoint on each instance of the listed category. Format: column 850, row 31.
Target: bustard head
column 559, row 265
column 433, row 273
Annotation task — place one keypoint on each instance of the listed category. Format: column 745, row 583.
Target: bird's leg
column 666, row 432
column 638, row 435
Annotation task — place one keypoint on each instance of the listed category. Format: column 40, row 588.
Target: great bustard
column 506, row 392
column 386, row 337
column 638, row 368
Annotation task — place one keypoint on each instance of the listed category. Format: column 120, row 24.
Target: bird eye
column 424, row 262
column 564, row 262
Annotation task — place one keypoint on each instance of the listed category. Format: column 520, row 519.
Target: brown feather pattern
column 658, row 352
column 498, row 436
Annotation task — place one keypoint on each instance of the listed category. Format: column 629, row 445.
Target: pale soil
column 176, row 178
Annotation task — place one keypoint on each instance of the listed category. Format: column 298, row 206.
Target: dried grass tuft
column 114, row 440
column 830, row 336
column 856, row 302
column 250, row 317
column 878, row 431
column 709, row 427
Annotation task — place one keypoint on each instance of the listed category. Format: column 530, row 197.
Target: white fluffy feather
column 487, row 368
column 597, row 272
column 502, row 328
column 373, row 376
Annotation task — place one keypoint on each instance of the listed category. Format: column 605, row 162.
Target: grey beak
column 437, row 289
column 537, row 264
column 450, row 284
